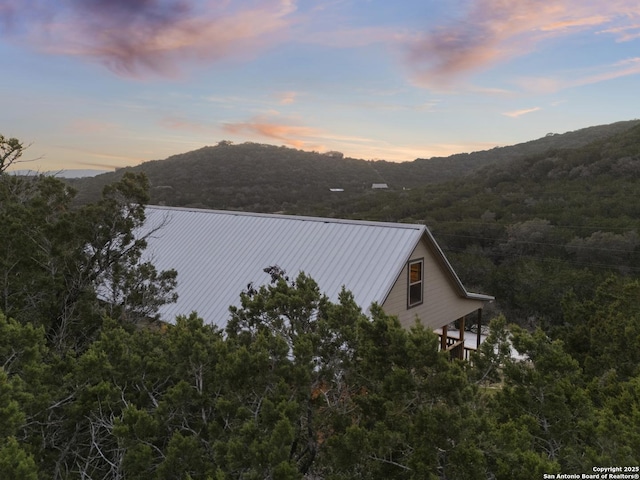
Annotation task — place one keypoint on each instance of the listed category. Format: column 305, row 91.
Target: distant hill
column 498, row 155
column 69, row 173
column 267, row 178
column 610, row 156
column 591, row 184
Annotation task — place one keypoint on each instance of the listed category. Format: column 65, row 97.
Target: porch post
column 443, row 338
column 479, row 328
column 462, row 330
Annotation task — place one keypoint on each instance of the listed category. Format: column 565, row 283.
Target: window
column 415, row 282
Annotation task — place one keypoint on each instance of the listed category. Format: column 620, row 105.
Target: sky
column 110, row 83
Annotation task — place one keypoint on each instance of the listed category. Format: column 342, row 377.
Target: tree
column 11, row 149
column 22, row 395
column 349, row 396
column 603, row 332
column 113, row 251
column 293, row 334
column 15, row 463
column 543, row 411
column 64, row 268
column 605, row 248
column 494, row 353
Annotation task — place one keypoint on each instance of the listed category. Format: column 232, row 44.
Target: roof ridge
column 410, row 226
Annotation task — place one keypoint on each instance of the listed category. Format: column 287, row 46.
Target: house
column 219, row 254
column 379, row 186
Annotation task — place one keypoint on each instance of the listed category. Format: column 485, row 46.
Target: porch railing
column 457, row 348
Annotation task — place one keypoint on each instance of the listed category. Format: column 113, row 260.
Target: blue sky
column 110, row 83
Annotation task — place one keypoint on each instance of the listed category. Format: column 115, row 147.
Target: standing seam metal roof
column 218, row 253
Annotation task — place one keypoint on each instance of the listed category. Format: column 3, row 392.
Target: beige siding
column 442, row 300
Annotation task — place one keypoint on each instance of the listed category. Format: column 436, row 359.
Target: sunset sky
column 110, row 83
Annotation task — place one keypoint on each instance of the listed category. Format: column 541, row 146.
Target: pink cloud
column 491, row 31
column 177, row 123
column 135, row 38
column 519, row 113
column 576, row 22
column 353, row 37
column 293, row 135
column 100, row 154
column 287, row 98
column 620, row 69
column 624, row 33
column 624, row 68
column 91, row 126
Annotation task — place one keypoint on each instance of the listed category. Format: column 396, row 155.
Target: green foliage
column 15, row 463
column 549, row 418
column 11, row 416
column 413, row 406
column 603, row 332
column 547, row 395
column 297, row 386
column 493, row 354
column 58, row 263
column 300, row 387
column 184, row 459
column 11, row 149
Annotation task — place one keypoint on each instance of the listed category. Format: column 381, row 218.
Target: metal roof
column 219, row 253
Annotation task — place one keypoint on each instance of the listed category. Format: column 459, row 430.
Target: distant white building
column 379, row 186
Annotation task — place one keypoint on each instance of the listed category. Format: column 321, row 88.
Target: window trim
column 417, row 261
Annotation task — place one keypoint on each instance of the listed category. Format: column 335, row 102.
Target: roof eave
column 454, row 276
column 480, row 296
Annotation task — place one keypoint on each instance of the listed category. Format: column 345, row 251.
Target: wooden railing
column 457, row 348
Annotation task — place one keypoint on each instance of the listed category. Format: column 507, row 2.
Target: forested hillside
column 265, row 178
column 298, row 387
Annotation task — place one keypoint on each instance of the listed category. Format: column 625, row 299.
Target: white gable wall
column 442, row 301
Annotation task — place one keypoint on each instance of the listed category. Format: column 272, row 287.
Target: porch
column 459, row 342
column 459, row 348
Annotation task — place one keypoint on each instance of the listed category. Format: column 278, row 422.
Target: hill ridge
column 269, row 178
